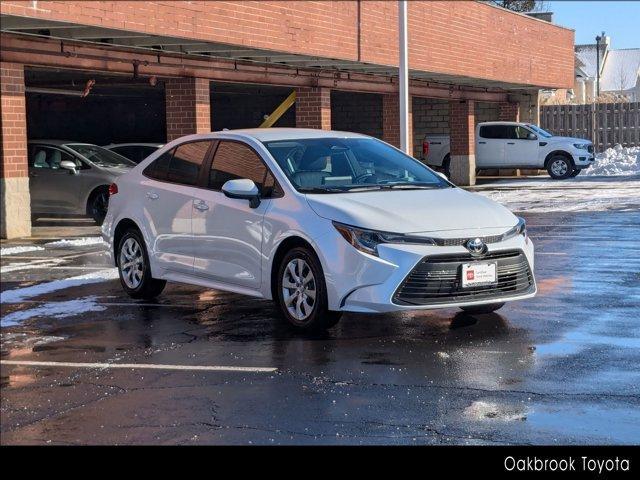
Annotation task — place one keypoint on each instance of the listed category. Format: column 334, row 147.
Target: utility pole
column 598, row 38
column 403, row 76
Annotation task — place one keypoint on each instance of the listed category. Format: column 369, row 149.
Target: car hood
column 567, row 139
column 413, row 211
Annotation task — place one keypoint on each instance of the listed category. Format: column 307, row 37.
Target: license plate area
column 478, row 274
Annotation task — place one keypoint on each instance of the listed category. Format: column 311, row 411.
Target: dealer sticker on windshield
column 478, row 274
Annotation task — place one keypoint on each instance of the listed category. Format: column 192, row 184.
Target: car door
column 54, row 189
column 490, row 146
column 167, row 195
column 228, row 232
column 521, row 149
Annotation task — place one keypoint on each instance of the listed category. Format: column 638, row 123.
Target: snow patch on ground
column 21, row 294
column 69, row 308
column 76, row 242
column 480, row 410
column 19, row 249
column 618, row 160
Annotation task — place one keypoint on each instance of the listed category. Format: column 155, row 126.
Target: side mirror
column 242, row 188
column 69, row 165
column 532, row 136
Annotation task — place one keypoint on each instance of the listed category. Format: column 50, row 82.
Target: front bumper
column 583, row 159
column 397, row 280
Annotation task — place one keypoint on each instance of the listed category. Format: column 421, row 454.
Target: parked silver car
column 72, row 178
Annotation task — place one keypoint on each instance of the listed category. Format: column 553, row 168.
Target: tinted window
column 235, row 160
column 497, row 131
column 187, row 161
column 158, row 168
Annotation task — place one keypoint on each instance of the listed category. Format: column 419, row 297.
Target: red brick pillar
column 313, row 108
column 463, row 145
column 391, row 121
column 188, row 107
column 508, row 112
column 15, row 208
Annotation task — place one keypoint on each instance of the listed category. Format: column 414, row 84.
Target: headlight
column 519, row 229
column 368, row 240
column 581, row 146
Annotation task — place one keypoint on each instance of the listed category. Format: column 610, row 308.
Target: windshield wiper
column 320, row 190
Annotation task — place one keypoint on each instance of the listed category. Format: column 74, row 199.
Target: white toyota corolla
column 321, row 222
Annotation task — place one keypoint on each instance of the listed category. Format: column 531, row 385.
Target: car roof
column 502, row 123
column 58, row 142
column 270, row 134
column 134, row 144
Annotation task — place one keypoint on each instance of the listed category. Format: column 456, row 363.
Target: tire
column 132, row 251
column 480, row 309
column 446, row 165
column 560, row 167
column 299, row 275
column 97, row 205
column 575, row 173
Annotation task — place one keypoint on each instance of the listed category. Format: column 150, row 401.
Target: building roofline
column 524, row 15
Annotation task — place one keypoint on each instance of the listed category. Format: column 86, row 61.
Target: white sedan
column 321, row 222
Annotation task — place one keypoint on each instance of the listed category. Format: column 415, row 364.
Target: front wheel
column 302, row 292
column 560, row 167
column 575, row 173
column 134, row 268
column 446, row 166
column 480, row 309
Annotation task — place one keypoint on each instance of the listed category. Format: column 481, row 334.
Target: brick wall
column 508, row 112
column 357, row 112
column 13, row 142
column 187, row 107
column 313, row 108
column 391, row 121
column 463, row 38
column 462, row 121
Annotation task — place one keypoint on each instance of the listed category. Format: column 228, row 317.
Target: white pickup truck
column 516, row 145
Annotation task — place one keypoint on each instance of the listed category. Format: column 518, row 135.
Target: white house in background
column 619, row 72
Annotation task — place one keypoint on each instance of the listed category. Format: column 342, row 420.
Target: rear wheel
column 98, row 204
column 134, row 268
column 480, row 309
column 560, row 167
column 302, row 292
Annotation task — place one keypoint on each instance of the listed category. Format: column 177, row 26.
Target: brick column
column 188, row 108
column 313, row 108
column 391, row 121
column 463, row 145
column 509, row 112
column 15, row 202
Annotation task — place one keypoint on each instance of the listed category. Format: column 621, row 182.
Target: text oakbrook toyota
column 321, row 222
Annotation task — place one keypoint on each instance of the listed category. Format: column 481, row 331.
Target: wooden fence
column 605, row 124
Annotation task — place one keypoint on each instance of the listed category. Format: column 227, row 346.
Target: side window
column 187, row 160
column 235, row 160
column 159, row 167
column 47, row 157
column 127, row 152
column 522, row 133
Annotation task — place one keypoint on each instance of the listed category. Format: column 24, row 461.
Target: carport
column 156, row 77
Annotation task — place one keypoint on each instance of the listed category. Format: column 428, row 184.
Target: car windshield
column 101, row 156
column 539, row 130
column 337, row 165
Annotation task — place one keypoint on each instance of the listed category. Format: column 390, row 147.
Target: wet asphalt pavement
column 561, row 368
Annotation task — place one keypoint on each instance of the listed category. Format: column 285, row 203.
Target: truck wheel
column 575, row 173
column 560, row 167
column 446, row 166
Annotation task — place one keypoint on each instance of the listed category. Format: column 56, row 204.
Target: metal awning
column 155, row 43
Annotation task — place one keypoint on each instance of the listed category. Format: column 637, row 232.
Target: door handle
column 511, row 143
column 200, row 205
column 482, row 143
column 152, row 195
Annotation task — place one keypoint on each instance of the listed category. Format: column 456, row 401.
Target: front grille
column 437, row 280
column 460, row 242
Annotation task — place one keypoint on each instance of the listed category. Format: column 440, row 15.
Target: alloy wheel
column 299, row 289
column 131, row 263
column 559, row 167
